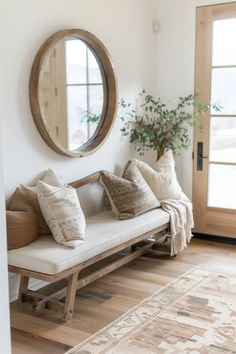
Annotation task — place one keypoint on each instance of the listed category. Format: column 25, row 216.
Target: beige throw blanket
column 181, row 223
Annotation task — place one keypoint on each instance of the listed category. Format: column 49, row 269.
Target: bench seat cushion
column 103, row 232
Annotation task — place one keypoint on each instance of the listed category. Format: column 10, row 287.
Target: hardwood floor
column 109, row 297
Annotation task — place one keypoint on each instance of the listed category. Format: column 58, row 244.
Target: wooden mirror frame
column 108, row 73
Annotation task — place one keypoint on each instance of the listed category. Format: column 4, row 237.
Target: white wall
column 125, row 27
column 4, row 295
column 175, row 60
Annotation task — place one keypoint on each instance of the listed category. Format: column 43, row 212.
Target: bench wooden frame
column 72, row 274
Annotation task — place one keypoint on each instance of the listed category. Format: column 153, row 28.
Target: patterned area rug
column 194, row 314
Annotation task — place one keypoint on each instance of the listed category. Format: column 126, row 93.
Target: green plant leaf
column 161, row 126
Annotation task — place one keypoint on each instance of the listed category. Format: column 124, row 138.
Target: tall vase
column 160, row 153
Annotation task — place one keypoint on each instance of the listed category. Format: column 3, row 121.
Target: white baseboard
column 14, row 281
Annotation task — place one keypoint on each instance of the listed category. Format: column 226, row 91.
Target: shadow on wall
column 91, row 196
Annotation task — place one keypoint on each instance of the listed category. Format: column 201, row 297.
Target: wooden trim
column 24, row 283
column 217, row 115
column 222, row 163
column 60, row 294
column 94, row 177
column 74, row 284
column 224, row 11
column 203, row 63
column 72, row 273
column 110, row 106
column 208, row 220
column 41, row 299
column 223, row 67
column 220, row 210
column 70, row 296
column 114, row 265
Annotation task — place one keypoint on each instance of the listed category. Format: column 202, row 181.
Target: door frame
column 207, row 218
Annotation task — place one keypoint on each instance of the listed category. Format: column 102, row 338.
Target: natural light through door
column 222, row 151
column 214, row 164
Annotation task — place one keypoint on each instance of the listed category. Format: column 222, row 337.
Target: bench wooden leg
column 70, row 296
column 24, row 283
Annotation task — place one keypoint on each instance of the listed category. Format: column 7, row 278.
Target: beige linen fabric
column 62, row 211
column 25, row 199
column 130, row 195
column 103, row 232
column 181, row 223
column 162, row 181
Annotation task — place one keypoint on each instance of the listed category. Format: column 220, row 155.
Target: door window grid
column 226, row 144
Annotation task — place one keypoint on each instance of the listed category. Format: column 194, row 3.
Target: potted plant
column 153, row 125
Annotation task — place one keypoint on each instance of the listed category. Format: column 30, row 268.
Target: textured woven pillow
column 61, row 209
column 25, row 199
column 162, row 181
column 22, row 228
column 129, row 196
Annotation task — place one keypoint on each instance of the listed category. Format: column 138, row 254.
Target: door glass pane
column 96, row 106
column 223, row 90
column 76, row 61
column 223, row 139
column 94, row 72
column 224, row 44
column 77, row 116
column 222, row 186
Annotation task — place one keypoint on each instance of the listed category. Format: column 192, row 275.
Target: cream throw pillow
column 62, row 211
column 162, row 181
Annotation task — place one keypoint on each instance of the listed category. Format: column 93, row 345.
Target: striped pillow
column 129, row 196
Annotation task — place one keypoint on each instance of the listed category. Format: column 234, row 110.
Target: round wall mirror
column 73, row 94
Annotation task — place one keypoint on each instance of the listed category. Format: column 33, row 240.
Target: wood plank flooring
column 108, row 298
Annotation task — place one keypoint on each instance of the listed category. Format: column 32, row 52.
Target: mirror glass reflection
column 72, row 93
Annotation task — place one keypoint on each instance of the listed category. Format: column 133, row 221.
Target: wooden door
column 214, row 181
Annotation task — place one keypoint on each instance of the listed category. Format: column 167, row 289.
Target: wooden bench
column 48, row 261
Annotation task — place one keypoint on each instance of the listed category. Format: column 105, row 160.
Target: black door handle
column 200, row 156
